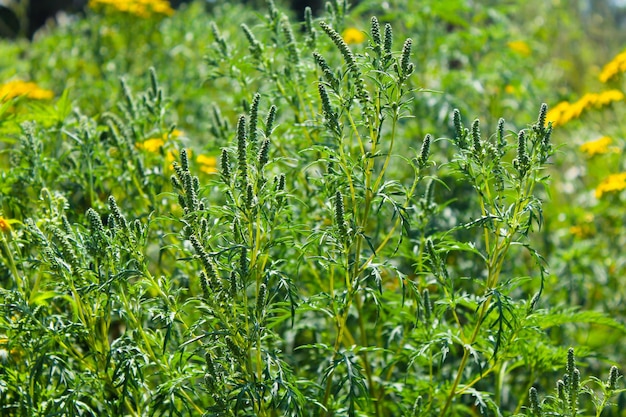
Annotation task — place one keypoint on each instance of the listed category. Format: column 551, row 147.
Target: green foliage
column 570, row 389
column 325, row 237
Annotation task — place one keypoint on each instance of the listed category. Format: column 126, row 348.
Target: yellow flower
column 607, row 97
column 574, row 110
column 596, row 147
column 565, row 111
column 556, row 113
column 208, row 164
column 509, row 89
column 19, row 88
column 612, row 183
column 151, row 145
column 613, row 68
column 520, row 47
column 4, row 225
column 175, row 133
column 352, row 35
column 154, row 144
column 139, row 8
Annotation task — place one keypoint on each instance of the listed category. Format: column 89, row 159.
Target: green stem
column 494, row 266
column 12, row 267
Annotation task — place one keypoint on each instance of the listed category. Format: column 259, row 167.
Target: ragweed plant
column 309, row 256
column 571, row 389
column 362, row 107
column 509, row 210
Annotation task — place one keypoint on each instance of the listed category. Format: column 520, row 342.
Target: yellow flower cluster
column 151, row 145
column 520, row 47
column 139, row 8
column 598, row 146
column 154, row 144
column 613, row 68
column 566, row 111
column 208, row 164
column 19, row 88
column 612, row 183
column 352, row 35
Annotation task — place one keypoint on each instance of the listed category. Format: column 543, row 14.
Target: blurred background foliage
column 490, row 56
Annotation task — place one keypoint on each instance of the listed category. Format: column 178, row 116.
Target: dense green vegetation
column 222, row 210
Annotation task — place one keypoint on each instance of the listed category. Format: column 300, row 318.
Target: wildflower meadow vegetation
column 226, row 209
